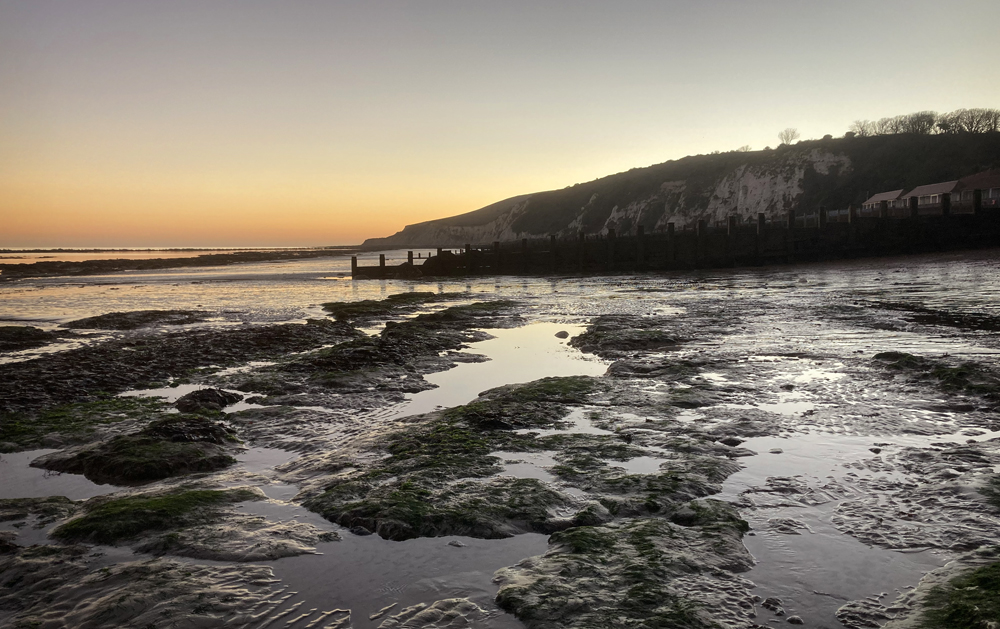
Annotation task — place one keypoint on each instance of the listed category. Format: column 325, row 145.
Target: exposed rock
column 206, row 400
column 165, row 448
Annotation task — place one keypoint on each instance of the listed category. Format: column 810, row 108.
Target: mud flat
column 815, row 446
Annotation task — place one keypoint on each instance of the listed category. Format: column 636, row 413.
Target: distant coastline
column 12, row 271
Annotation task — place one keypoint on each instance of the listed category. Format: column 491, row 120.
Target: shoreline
column 52, row 268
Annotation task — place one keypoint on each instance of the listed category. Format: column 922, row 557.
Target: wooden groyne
column 820, row 235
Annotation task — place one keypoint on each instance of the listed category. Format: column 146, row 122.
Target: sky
column 251, row 123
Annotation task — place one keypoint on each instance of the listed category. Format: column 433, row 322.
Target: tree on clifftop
column 788, row 136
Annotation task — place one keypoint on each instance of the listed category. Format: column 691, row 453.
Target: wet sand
column 856, row 475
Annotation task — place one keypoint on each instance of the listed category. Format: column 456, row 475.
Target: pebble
column 795, row 620
column 775, row 450
column 562, row 334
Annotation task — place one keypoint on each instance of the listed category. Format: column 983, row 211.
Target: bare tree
column 922, row 122
column 863, row 128
column 788, row 136
column 744, row 149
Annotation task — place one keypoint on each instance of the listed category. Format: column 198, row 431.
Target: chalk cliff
column 829, row 172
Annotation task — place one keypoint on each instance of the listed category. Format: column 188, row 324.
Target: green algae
column 969, row 601
column 73, row 421
column 109, row 521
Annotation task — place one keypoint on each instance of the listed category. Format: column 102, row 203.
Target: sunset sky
column 174, row 123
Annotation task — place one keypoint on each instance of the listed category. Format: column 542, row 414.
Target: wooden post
column 852, row 213
column 469, row 267
column 914, row 207
column 977, row 201
column 354, row 266
column 946, row 203
column 440, row 251
column 791, row 219
column 731, row 225
column 883, row 209
column 611, row 250
column 524, row 255
column 761, row 223
column 822, row 217
column 581, row 251
column 409, row 257
column 381, row 266
column 496, row 256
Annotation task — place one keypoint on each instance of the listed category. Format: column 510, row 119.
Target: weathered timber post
column 761, row 223
column 581, row 251
column 611, row 250
column 852, row 213
column 409, row 257
column 381, row 266
column 524, row 255
column 946, row 203
column 914, row 207
column 553, row 254
column 496, row 256
column 791, row 219
column 354, row 266
column 883, row 209
column 977, row 201
column 640, row 237
column 822, row 217
column 469, row 267
column 440, row 251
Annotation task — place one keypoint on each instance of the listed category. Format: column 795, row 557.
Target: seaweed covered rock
column 137, row 319
column 613, row 336
column 400, row 303
column 493, row 509
column 535, row 404
column 964, row 378
column 206, row 400
column 110, row 520
column 17, row 337
column 637, row 573
column 43, row 510
column 92, row 372
column 167, row 447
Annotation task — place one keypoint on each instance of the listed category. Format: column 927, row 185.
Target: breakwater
column 821, row 235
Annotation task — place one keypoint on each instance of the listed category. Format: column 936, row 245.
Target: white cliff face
column 746, row 190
